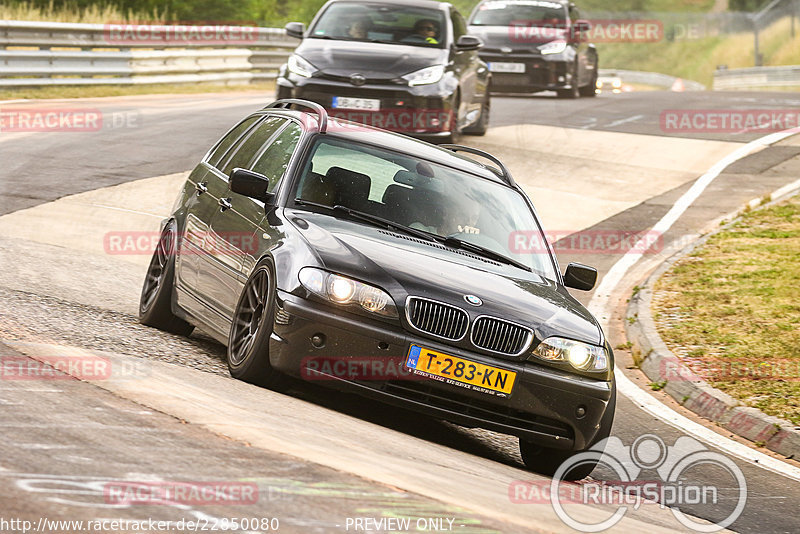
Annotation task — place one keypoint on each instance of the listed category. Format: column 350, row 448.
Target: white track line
column 600, row 307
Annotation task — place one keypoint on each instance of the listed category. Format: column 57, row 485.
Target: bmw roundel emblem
column 472, row 299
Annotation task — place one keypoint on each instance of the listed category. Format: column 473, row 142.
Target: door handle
column 201, row 187
column 224, row 204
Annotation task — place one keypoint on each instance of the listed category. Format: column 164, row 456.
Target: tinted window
column 252, row 143
column 273, row 161
column 226, row 142
column 533, row 13
column 459, row 25
column 390, row 23
column 425, row 196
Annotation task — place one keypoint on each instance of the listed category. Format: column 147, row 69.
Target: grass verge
column 73, row 91
column 731, row 310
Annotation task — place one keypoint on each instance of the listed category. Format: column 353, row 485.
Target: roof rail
column 286, row 102
column 504, row 174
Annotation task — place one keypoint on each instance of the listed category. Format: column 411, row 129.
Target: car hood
column 515, row 38
column 372, row 60
column 406, row 266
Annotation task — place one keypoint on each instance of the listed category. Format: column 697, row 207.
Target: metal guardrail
column 51, row 53
column 654, row 79
column 756, row 77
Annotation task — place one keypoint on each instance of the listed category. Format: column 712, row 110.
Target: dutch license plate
column 343, row 102
column 460, row 372
column 507, row 67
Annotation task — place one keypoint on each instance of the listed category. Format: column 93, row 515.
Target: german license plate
column 460, row 372
column 343, row 102
column 507, row 67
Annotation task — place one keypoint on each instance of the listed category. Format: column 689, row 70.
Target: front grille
column 500, row 336
column 437, row 318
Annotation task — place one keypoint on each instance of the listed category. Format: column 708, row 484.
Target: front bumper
column 422, row 111
column 541, row 408
column 542, row 73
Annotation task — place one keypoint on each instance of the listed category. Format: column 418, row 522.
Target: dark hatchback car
column 402, row 66
column 536, row 45
column 387, row 266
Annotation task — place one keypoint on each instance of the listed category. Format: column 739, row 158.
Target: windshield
column 382, row 23
column 507, row 14
column 424, row 196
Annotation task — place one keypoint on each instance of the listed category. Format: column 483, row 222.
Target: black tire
column 155, row 302
column 574, row 90
column 455, row 130
column 546, row 461
column 482, row 124
column 591, row 89
column 248, row 340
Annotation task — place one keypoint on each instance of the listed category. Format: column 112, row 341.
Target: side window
column 251, row 144
column 222, row 147
column 574, row 14
column 459, row 25
column 273, row 161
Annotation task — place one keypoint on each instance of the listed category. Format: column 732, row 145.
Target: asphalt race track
column 318, row 457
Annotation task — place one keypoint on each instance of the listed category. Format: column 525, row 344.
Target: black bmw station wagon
column 316, row 247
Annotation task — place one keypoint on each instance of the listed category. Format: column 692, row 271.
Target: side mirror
column 295, row 29
column 468, row 42
column 251, row 184
column 580, row 27
column 580, row 276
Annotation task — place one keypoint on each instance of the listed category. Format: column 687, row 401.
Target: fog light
column 580, row 412
column 318, row 340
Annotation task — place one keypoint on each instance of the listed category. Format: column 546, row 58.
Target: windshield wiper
column 421, row 234
column 368, row 217
column 485, row 252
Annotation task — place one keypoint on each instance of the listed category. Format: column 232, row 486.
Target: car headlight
column 300, row 66
column 347, row 292
column 581, row 356
column 425, row 76
column 553, row 47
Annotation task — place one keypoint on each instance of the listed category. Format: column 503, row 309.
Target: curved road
column 143, row 137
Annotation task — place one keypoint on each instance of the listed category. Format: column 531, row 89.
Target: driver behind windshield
column 358, row 29
column 424, row 30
